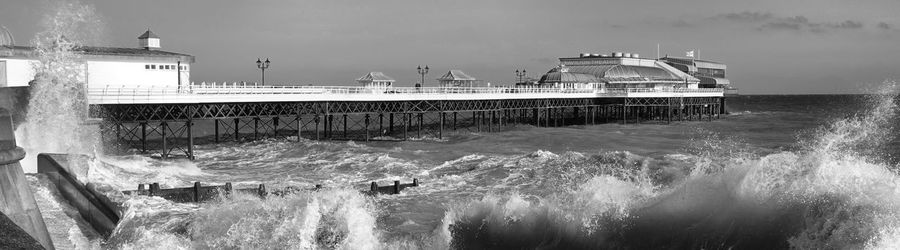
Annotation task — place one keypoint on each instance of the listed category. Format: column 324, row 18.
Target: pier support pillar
column 454, row 120
column 275, row 127
column 190, row 133
column 16, row 199
column 237, row 129
column 367, row 127
column 316, row 121
column 406, row 127
column 216, row 122
column 345, row 126
column 381, row 124
column 419, row 124
column 256, row 128
column 144, row 137
column 299, row 127
column 441, row 127
column 165, row 150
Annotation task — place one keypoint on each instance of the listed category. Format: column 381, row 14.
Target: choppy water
column 782, row 171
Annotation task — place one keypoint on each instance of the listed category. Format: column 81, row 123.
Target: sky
column 770, row 46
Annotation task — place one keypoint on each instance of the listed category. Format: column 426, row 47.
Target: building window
column 146, row 66
column 153, row 66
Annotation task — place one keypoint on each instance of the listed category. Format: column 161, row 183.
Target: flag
column 690, row 53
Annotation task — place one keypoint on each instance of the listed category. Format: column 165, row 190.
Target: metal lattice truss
column 166, row 129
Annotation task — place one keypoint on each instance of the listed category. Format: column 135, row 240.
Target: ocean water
column 805, row 172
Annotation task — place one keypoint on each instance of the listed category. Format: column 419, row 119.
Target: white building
column 103, row 66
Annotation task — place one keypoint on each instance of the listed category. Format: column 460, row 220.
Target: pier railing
column 239, row 93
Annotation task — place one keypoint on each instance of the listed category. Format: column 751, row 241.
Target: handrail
column 244, row 90
column 238, row 93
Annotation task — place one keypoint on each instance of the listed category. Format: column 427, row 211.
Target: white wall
column 134, row 73
column 18, row 72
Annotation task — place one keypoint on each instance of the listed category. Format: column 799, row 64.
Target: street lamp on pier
column 520, row 75
column 263, row 66
column 422, row 72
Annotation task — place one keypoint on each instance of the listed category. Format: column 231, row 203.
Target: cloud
column 681, row 23
column 766, row 21
column 745, row 16
column 884, row 26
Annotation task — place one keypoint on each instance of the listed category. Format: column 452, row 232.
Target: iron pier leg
column 406, row 128
column 256, row 128
column 316, row 120
column 165, row 152
column 381, row 124
column 391, row 123
column 144, row 137
column 537, row 119
column 237, row 128
column 491, row 121
column 441, row 128
column 119, row 132
column 476, row 121
column 624, row 116
column 454, row 120
column 299, row 127
column 330, row 132
column 419, row 124
column 190, row 147
column 367, row 127
column 586, row 115
column 216, row 121
column 345, row 126
column 275, row 126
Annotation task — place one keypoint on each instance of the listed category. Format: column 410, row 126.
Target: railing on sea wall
column 134, row 94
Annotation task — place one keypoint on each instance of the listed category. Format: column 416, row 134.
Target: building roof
column 456, row 75
column 99, row 51
column 375, row 76
column 694, row 62
column 561, row 75
column 148, row 34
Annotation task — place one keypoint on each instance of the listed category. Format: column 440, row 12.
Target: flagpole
column 657, row 51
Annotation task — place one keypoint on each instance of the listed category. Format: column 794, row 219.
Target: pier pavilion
column 145, row 65
column 617, row 70
column 457, row 78
column 376, row 80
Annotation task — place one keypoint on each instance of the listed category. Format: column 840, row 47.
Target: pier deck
column 162, row 121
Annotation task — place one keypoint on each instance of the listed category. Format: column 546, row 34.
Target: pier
column 163, row 121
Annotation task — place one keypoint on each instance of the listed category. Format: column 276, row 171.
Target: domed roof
column 6, row 38
column 561, row 74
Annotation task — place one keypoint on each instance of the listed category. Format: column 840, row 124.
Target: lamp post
column 263, row 66
column 520, row 75
column 422, row 73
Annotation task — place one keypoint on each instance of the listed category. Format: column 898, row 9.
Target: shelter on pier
column 376, row 80
column 145, row 65
column 456, row 78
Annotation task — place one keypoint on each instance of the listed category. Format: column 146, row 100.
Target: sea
column 779, row 171
column 783, row 171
